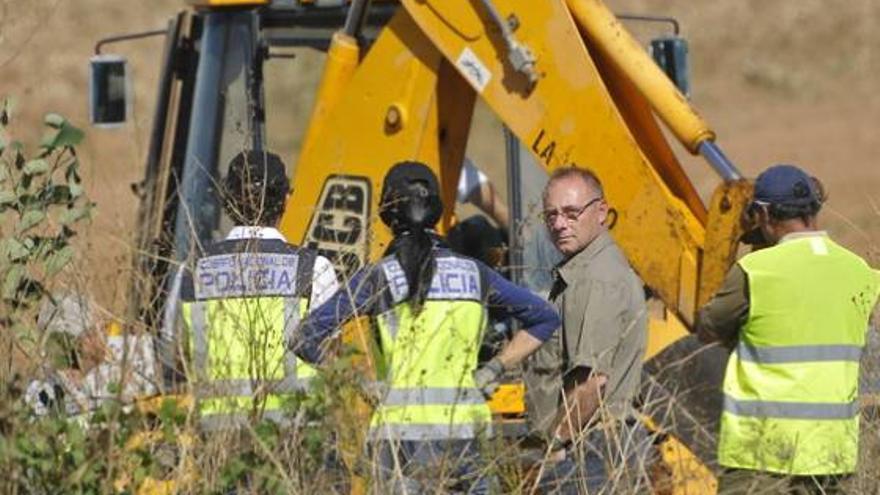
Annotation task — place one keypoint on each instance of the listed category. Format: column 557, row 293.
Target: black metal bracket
column 652, row 18
column 127, row 37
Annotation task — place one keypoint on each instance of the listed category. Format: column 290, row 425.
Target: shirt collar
column 568, row 268
column 249, row 232
column 802, row 235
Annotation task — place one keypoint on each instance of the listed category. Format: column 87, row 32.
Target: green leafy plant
column 41, row 200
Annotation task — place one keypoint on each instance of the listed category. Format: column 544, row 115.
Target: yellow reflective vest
column 428, row 359
column 242, row 303
column 791, row 385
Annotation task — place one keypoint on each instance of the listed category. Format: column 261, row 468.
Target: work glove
column 488, row 377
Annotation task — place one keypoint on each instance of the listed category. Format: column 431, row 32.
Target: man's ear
column 603, row 211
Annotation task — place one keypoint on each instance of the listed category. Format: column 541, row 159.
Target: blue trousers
column 429, row 466
column 613, row 460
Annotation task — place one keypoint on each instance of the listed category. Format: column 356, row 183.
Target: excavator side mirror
column 671, row 54
column 109, row 102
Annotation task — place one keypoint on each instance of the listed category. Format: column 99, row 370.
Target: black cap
column 410, row 197
column 786, row 185
column 256, row 187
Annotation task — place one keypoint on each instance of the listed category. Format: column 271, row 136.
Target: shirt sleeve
column 506, row 299
column 728, row 310
column 356, row 297
column 324, row 283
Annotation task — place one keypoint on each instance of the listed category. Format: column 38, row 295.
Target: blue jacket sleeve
column 354, row 298
column 536, row 315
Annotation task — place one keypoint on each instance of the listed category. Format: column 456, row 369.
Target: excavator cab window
column 109, row 101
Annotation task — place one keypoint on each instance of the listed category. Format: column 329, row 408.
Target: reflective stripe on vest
column 224, row 395
column 798, row 353
column 416, row 432
column 790, row 410
column 430, row 357
column 791, row 385
column 433, row 396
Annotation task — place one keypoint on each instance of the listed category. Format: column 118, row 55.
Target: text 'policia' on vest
column 243, row 300
column 247, row 298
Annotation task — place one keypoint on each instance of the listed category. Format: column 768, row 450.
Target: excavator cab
column 214, row 100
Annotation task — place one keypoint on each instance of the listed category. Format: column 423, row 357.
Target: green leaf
column 73, row 215
column 41, row 247
column 58, row 260
column 75, row 190
column 14, row 277
column 12, row 249
column 65, row 134
column 54, row 120
column 54, row 194
column 36, row 167
column 7, row 197
column 30, row 219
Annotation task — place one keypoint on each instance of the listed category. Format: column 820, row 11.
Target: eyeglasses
column 569, row 213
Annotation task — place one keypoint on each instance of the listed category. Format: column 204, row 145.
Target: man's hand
column 488, row 377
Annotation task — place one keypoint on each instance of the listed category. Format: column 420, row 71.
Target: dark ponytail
column 411, row 207
column 415, row 252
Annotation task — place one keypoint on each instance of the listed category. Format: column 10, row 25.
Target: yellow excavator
column 400, row 81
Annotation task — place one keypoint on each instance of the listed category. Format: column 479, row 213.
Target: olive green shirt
column 728, row 310
column 604, row 327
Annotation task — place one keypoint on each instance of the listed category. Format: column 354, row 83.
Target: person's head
column 575, row 209
column 476, row 238
column 256, row 188
column 410, row 198
column 410, row 206
column 786, row 200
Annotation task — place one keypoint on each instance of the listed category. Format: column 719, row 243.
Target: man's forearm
column 578, row 407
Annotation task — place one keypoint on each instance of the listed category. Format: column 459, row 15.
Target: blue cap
column 786, row 185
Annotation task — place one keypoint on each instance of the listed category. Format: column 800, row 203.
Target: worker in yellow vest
column 795, row 314
column 429, row 306
column 242, row 302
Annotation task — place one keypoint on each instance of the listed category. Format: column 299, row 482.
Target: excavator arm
column 587, row 96
column 572, row 85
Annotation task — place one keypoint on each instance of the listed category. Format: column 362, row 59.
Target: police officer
column 429, row 306
column 795, row 314
column 242, row 301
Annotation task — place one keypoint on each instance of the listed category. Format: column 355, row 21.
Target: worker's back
column 430, row 354
column 791, row 388
column 241, row 304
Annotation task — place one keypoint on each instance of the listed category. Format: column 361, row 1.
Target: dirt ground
column 779, row 80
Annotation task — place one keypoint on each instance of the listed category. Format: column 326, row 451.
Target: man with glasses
column 582, row 382
column 795, row 314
